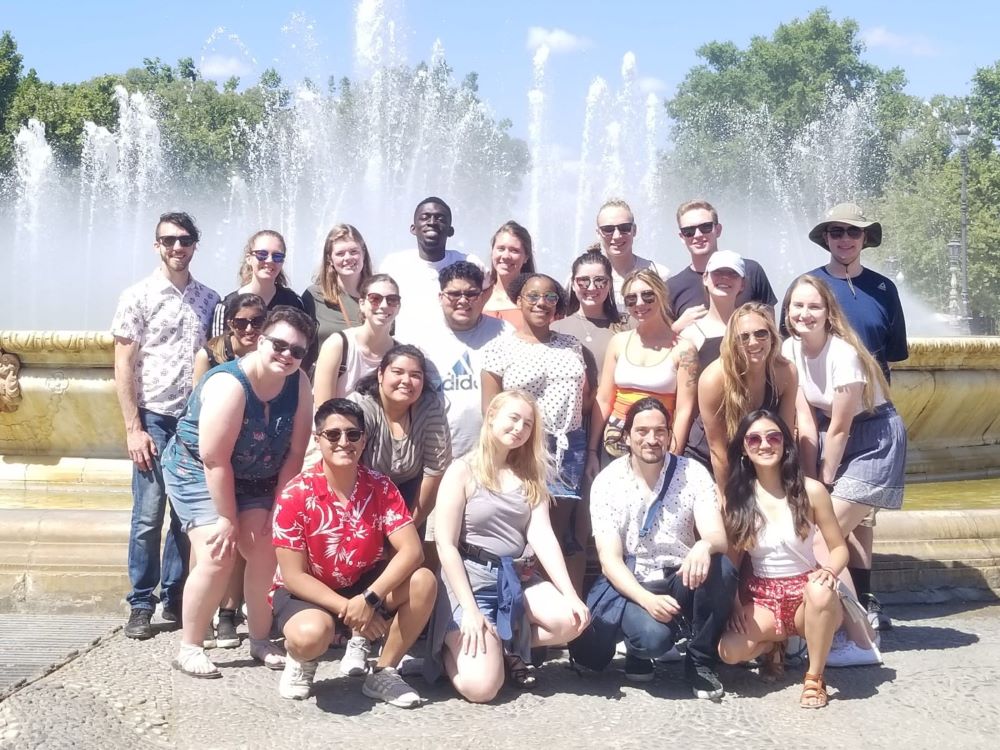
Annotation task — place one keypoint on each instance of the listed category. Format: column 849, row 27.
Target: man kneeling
column 648, row 505
column 330, row 526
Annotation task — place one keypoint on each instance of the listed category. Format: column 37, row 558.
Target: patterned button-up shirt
column 170, row 325
column 340, row 542
column 619, row 501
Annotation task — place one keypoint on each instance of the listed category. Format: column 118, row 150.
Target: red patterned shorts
column 780, row 596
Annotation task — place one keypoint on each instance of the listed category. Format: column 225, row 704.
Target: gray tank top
column 496, row 521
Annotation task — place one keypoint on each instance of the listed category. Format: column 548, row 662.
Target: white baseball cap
column 726, row 259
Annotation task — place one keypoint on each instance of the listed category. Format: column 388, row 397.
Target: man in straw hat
column 871, row 304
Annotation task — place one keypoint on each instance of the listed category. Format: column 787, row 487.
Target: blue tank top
column 263, row 442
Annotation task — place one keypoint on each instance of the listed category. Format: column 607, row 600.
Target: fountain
column 64, row 475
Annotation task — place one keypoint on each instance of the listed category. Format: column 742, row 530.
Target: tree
column 10, row 76
column 186, row 69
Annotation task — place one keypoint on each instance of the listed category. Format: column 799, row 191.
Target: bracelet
column 829, row 486
column 829, row 570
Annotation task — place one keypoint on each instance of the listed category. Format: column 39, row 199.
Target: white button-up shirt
column 619, row 501
column 170, row 325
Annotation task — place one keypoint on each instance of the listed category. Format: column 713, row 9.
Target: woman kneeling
column 330, row 526
column 772, row 513
column 492, row 503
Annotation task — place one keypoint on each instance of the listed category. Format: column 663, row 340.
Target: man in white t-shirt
column 455, row 345
column 417, row 273
column 616, row 230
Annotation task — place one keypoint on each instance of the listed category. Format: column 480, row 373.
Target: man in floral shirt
column 330, row 526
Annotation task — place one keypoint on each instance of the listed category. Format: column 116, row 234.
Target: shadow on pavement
column 925, row 638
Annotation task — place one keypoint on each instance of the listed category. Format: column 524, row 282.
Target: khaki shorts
column 869, row 520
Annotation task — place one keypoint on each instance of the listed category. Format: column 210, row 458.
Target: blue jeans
column 149, row 501
column 704, row 611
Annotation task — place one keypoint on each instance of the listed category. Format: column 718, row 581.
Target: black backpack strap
column 343, row 355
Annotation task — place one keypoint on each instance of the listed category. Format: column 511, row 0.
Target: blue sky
column 938, row 46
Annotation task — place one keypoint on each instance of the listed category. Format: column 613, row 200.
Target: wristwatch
column 372, row 598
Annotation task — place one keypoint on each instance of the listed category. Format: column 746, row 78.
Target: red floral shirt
column 340, row 543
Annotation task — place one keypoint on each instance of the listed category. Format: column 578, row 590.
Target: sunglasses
column 549, row 298
column 598, row 282
column 169, row 240
column 469, row 294
column 705, row 228
column 761, row 334
column 754, row 440
column 608, row 230
column 280, row 346
column 375, row 299
column 632, row 299
column 242, row 324
column 353, row 434
column 837, row 233
column 263, row 255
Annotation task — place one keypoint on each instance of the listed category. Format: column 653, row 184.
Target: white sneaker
column 386, row 685
column 671, row 657
column 846, row 653
column 269, row 654
column 355, row 661
column 297, row 679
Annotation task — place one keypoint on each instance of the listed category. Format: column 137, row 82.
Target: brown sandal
column 521, row 675
column 813, row 692
column 772, row 664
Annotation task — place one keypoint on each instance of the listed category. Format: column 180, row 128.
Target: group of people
column 426, row 451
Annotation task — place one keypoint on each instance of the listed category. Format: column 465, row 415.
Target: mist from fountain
column 366, row 154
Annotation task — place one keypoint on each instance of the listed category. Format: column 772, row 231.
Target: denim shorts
column 184, row 478
column 567, row 483
column 488, row 601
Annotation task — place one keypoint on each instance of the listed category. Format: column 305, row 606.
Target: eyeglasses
column 353, row 434
column 169, row 240
column 375, row 299
column 705, row 228
column 754, row 440
column 598, row 282
column 761, row 334
column 837, row 233
column 469, row 294
column 648, row 297
column 281, row 346
column 242, row 324
column 262, row 255
column 608, row 230
column 549, row 298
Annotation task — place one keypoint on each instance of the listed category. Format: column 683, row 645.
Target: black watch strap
column 372, row 598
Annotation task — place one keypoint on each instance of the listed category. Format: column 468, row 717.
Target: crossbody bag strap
column 654, row 509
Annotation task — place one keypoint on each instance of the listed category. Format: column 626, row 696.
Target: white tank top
column 658, row 378
column 356, row 366
column 773, row 557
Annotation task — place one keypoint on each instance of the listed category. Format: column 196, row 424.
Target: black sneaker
column 138, row 626
column 879, row 620
column 225, row 632
column 703, row 681
column 170, row 613
column 638, row 670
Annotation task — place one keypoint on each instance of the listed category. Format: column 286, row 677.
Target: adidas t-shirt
column 457, row 357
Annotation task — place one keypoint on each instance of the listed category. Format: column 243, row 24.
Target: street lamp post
column 958, row 320
column 962, row 138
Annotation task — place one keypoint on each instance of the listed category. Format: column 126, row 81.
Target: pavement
column 939, row 686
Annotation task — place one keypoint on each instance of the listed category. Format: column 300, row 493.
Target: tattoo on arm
column 688, row 360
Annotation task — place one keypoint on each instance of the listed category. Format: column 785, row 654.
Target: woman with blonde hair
column 650, row 360
column 850, row 436
column 492, row 503
column 333, row 299
column 261, row 273
column 749, row 374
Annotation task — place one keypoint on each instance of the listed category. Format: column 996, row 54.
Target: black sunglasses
column 242, row 324
column 263, row 255
column 353, row 434
column 169, row 240
column 469, row 294
column 608, row 230
column 838, row 232
column 585, row 282
column 761, row 334
column 632, row 299
column 705, row 228
column 281, row 346
column 375, row 299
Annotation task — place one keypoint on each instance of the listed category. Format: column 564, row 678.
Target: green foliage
column 10, row 76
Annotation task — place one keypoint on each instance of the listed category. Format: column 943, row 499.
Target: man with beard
column 159, row 325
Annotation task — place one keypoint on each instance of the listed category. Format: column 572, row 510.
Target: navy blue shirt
column 687, row 288
column 874, row 310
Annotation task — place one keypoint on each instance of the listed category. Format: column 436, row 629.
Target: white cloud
column 651, row 85
column 221, row 66
column 909, row 44
column 557, row 40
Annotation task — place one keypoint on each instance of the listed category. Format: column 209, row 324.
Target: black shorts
column 286, row 605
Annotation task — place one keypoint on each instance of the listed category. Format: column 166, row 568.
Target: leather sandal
column 813, row 692
column 520, row 674
column 772, row 664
